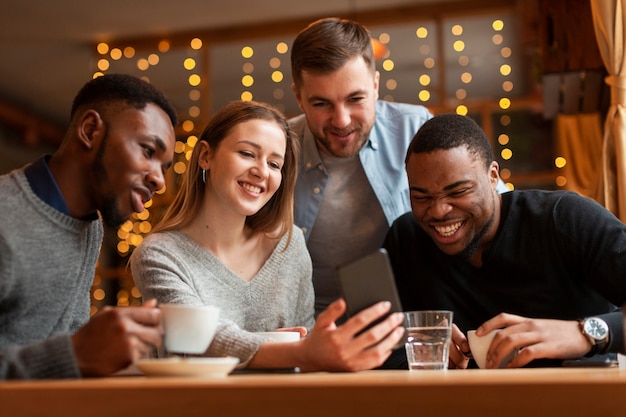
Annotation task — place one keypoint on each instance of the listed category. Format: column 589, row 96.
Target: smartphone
column 367, row 281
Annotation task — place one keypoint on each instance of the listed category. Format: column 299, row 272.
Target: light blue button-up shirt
column 382, row 158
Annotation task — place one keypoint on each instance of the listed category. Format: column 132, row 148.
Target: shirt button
column 374, row 145
column 320, row 167
column 308, row 165
column 316, row 190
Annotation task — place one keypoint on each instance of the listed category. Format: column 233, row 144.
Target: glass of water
column 428, row 338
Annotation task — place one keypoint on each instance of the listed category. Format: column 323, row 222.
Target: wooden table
column 459, row 393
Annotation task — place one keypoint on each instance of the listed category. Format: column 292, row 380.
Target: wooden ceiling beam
column 33, row 129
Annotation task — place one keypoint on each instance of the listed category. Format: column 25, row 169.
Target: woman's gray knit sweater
column 173, row 268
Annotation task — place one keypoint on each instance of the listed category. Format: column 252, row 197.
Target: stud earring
column 204, row 176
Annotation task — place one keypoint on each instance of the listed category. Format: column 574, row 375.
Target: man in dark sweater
column 119, row 143
column 548, row 268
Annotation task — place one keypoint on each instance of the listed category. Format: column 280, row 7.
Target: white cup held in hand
column 480, row 345
column 189, row 329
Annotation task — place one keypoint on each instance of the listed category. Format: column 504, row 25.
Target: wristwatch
column 597, row 331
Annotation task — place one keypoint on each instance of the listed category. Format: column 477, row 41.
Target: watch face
column 596, row 328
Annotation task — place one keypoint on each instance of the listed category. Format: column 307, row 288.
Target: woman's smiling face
column 244, row 171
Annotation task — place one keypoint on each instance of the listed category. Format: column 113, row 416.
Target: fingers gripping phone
column 367, row 281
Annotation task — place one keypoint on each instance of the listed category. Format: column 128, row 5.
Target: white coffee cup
column 189, row 329
column 287, row 337
column 480, row 345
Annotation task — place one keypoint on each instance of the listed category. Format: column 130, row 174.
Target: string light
column 504, row 102
column 424, row 78
column 116, row 54
column 282, row 48
column 424, row 84
column 247, row 80
column 102, row 48
column 463, row 60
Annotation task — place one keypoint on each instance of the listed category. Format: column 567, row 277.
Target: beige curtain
column 608, row 22
column 579, row 138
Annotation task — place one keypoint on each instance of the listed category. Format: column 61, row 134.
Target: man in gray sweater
column 119, row 143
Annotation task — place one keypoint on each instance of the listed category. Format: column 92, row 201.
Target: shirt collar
column 44, row 185
column 310, row 151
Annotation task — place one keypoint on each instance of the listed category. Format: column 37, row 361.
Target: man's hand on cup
column 533, row 338
column 459, row 349
column 116, row 337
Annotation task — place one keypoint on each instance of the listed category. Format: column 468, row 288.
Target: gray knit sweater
column 173, row 268
column 47, row 266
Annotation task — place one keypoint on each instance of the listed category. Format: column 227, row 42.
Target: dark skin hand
column 459, row 349
column 116, row 337
column 533, row 338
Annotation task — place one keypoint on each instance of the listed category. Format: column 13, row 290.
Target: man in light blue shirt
column 351, row 181
column 345, row 204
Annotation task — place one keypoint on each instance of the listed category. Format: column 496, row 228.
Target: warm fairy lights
column 560, row 163
column 116, row 54
column 164, row 46
column 247, row 80
column 504, row 102
column 458, row 45
column 277, row 65
column 424, row 95
column 133, row 231
column 452, row 88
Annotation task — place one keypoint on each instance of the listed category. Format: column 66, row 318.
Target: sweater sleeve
column 231, row 340
column 616, row 329
column 161, row 275
column 305, row 308
column 596, row 239
column 6, row 266
column 51, row 358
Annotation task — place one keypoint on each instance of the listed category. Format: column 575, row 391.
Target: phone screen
column 367, row 281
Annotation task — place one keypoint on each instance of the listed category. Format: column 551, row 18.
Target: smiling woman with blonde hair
column 278, row 213
column 228, row 240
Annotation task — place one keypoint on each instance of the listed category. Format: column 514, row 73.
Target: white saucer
column 201, row 367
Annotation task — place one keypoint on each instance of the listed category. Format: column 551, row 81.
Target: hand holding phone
column 368, row 281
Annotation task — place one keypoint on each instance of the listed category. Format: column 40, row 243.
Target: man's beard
column 110, row 215
column 108, row 210
column 469, row 251
column 327, row 145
